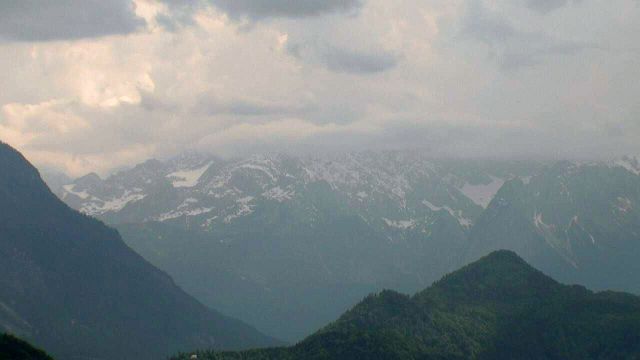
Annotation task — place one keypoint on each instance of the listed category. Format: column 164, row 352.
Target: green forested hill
column 496, row 308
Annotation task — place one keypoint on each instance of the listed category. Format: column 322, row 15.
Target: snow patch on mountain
column 462, row 220
column 355, row 171
column 278, row 194
column 188, row 213
column 482, row 194
column 245, row 200
column 400, row 224
column 99, row 207
column 428, row 204
column 465, row 222
column 243, row 208
column 70, row 190
column 537, row 220
column 187, row 178
column 186, row 209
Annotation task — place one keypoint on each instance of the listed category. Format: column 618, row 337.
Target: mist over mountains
column 288, row 243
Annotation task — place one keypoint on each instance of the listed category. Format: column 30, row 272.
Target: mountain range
column 288, row 243
column 69, row 284
column 498, row 307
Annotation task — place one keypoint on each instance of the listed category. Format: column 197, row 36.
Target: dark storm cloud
column 240, row 108
column 348, row 61
column 210, row 105
column 263, row 9
column 260, row 9
column 511, row 47
column 47, row 20
column 343, row 60
column 547, row 6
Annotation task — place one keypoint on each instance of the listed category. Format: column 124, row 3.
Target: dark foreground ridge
column 70, row 285
column 12, row 348
column 498, row 307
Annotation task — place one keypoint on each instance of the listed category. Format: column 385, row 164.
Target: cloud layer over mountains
column 92, row 86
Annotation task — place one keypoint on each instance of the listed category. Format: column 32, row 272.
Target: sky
column 93, row 85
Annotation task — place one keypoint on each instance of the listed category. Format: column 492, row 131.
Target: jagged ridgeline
column 70, row 285
column 496, row 308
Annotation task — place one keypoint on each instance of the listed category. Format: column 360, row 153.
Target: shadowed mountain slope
column 69, row 284
column 12, row 348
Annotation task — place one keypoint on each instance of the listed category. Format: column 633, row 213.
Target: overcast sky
column 93, row 85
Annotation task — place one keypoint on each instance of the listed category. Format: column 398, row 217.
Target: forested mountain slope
column 496, row 308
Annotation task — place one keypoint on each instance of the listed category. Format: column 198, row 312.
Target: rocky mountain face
column 498, row 307
column 69, row 284
column 288, row 243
